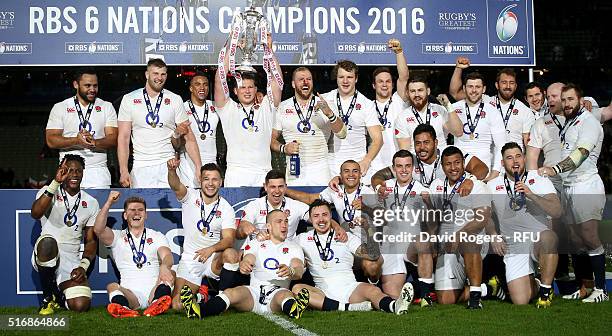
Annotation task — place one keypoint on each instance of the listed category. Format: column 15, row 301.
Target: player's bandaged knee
column 77, row 291
column 48, row 263
column 597, row 251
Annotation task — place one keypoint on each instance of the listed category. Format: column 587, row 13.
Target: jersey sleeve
column 188, row 196
column 116, row 238
column 327, row 195
column 353, row 242
column 251, row 248
column 371, row 118
column 162, row 241
column 228, row 219
column 297, row 251
column 588, row 137
column 55, row 120
column 401, row 127
column 535, row 134
column 249, row 212
column 529, row 120
column 125, row 109
column 481, row 195
column 111, row 115
column 179, row 110
column 95, row 207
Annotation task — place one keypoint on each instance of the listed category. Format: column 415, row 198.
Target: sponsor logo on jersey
column 137, row 101
column 71, row 110
column 263, row 212
column 262, row 245
column 458, row 111
column 410, row 119
column 499, row 187
column 439, row 188
column 289, row 111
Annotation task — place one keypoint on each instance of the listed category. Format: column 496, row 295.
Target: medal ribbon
column 345, row 117
column 511, row 190
column 304, row 120
column 449, row 197
column 206, row 221
column 568, row 124
column 348, row 206
column 83, row 120
column 397, row 202
column 424, row 181
column 75, row 207
column 473, row 124
column 137, row 253
column 323, row 253
column 382, row 117
column 508, row 112
column 152, row 112
column 204, row 120
column 417, row 115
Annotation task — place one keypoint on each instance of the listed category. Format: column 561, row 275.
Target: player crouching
column 272, row 263
column 143, row 258
column 331, row 264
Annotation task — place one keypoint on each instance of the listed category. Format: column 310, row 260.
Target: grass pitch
column 564, row 317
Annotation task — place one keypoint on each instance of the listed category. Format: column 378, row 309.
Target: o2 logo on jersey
column 271, row 263
column 507, row 24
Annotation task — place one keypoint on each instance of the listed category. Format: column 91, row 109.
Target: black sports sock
column 386, row 304
column 563, row 265
column 330, row 304
column 243, row 279
column 598, row 263
column 121, row 300
column 411, row 271
column 287, row 306
column 544, row 292
column 228, row 279
column 214, row 306
column 162, row 290
column 47, row 280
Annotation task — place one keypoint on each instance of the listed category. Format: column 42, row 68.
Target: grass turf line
column 564, row 317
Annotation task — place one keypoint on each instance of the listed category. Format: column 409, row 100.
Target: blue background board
column 127, row 32
column 19, row 285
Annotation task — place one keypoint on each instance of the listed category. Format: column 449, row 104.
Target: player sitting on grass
column 143, row 258
column 331, row 264
column 272, row 263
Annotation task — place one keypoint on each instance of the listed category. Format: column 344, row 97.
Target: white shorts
column 519, row 265
column 66, row 261
column 338, row 290
column 585, row 201
column 262, row 296
column 450, row 270
column 313, row 174
column 244, row 177
column 393, row 264
column 150, row 176
column 96, row 178
column 142, row 289
column 193, row 270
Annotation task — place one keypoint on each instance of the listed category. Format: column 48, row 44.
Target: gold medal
column 471, row 136
column 324, row 265
column 139, row 265
column 153, row 124
column 250, row 128
column 203, row 136
column 69, row 223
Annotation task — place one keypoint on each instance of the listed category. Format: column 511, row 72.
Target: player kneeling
column 331, row 264
column 143, row 258
column 272, row 263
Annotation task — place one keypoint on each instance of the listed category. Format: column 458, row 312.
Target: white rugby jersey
column 584, row 131
column 353, row 147
column 545, row 136
column 338, row 263
column 413, row 200
column 313, row 144
column 337, row 198
column 208, row 146
column 479, row 197
column 123, row 256
column 247, row 149
column 256, row 211
column 409, row 121
column 64, row 116
column 531, row 218
column 197, row 234
column 55, row 220
column 427, row 172
column 152, row 145
column 521, row 118
column 268, row 256
column 489, row 133
column 395, row 111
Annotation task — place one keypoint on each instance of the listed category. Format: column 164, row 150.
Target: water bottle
column 294, row 164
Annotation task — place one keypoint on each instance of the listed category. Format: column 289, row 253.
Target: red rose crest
column 84, row 204
column 167, row 101
column 531, row 181
column 98, row 108
column 358, row 106
column 515, row 112
column 434, row 114
column 149, row 241
column 285, row 250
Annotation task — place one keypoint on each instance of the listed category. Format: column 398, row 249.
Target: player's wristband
column 291, row 272
column 557, row 169
column 282, row 149
column 399, row 51
column 52, row 188
column 333, row 118
column 85, row 263
column 377, row 187
column 176, row 136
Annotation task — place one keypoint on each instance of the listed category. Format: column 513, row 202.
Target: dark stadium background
column 572, row 44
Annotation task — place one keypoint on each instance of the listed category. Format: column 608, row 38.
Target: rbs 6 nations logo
column 507, row 24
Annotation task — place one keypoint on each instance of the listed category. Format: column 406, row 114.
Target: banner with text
column 191, row 32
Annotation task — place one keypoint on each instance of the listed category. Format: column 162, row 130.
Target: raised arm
column 104, row 233
column 455, row 88
column 173, row 179
column 220, row 99
column 42, row 204
column 402, row 68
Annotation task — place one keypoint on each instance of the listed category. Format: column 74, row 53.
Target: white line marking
column 288, row 325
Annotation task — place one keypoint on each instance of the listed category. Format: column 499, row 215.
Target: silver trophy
column 251, row 19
